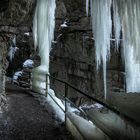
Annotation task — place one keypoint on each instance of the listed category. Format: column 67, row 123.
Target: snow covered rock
column 16, row 76
column 28, row 63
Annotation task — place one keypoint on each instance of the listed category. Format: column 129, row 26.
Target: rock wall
column 15, row 18
column 3, row 103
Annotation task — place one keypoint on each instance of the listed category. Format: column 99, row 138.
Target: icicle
column 14, row 40
column 87, row 6
column 43, row 29
column 102, row 30
column 129, row 13
column 117, row 24
column 12, row 49
column 35, row 29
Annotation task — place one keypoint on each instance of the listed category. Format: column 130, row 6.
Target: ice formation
column 16, row 76
column 43, row 29
column 87, row 6
column 129, row 14
column 12, row 49
column 126, row 19
column 102, row 30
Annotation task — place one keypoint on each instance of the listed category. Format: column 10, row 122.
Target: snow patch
column 96, row 105
column 16, row 76
column 28, row 63
column 64, row 25
column 27, row 33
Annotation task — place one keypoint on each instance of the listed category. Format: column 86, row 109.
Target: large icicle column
column 102, row 30
column 126, row 15
column 129, row 18
column 43, row 31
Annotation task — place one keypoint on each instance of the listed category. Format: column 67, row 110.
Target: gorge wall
column 15, row 19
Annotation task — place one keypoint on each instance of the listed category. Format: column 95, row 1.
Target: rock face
column 73, row 57
column 3, row 104
column 15, row 18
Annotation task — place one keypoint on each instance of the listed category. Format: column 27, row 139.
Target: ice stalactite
column 126, row 19
column 13, row 49
column 44, row 23
column 129, row 13
column 102, row 31
column 87, row 6
column 117, row 24
column 43, row 32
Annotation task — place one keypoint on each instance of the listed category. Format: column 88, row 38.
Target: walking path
column 26, row 119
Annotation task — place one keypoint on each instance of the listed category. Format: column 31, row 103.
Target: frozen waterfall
column 126, row 18
column 129, row 14
column 87, row 6
column 102, row 30
column 43, row 29
column 43, row 33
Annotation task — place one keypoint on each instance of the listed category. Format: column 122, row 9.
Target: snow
column 28, row 63
column 64, row 25
column 16, row 76
column 117, row 24
column 126, row 20
column 59, row 113
column 86, row 128
column 96, row 105
column 102, row 31
column 27, row 33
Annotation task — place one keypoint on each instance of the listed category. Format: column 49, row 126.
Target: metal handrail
column 93, row 98
column 87, row 95
column 82, row 93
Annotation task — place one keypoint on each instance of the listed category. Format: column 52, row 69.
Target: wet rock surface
column 26, row 119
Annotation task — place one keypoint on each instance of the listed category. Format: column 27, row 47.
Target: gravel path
column 26, row 119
